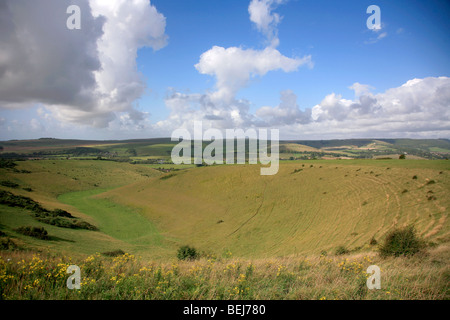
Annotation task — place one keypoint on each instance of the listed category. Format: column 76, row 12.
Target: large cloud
column 233, row 67
column 286, row 113
column 130, row 25
column 418, row 100
column 187, row 108
column 418, row 108
column 41, row 60
column 85, row 76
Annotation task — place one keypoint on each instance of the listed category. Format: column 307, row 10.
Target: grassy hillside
column 46, row 180
column 308, row 232
column 308, row 207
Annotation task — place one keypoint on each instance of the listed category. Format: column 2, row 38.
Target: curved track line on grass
column 254, row 215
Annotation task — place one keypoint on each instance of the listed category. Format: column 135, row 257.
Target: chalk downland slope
column 307, row 208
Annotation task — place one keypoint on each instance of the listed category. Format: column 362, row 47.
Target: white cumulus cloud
column 86, row 76
column 233, row 67
column 266, row 21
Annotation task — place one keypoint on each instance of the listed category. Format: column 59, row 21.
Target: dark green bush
column 341, row 250
column 19, row 201
column 66, row 223
column 9, row 184
column 84, row 225
column 401, row 242
column 57, row 217
column 35, row 232
column 61, row 213
column 114, row 253
column 187, row 253
column 167, row 176
column 6, row 163
column 7, row 244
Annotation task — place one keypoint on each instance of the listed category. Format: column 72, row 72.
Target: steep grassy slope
column 320, row 207
column 120, row 222
column 49, row 179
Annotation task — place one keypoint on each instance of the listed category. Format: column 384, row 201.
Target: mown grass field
column 287, row 227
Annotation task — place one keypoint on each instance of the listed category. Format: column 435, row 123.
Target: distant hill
column 160, row 148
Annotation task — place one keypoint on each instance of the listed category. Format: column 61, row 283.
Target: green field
column 120, row 222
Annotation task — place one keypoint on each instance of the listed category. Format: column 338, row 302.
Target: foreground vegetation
column 28, row 275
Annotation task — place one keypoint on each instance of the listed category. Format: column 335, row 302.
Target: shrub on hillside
column 6, row 163
column 9, row 184
column 341, row 250
column 65, row 222
column 61, row 213
column 57, row 222
column 401, row 242
column 35, row 232
column 7, row 244
column 167, row 176
column 57, row 217
column 12, row 200
column 78, row 224
column 114, row 253
column 187, row 253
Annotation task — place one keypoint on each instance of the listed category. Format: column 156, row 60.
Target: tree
column 132, row 152
column 402, row 156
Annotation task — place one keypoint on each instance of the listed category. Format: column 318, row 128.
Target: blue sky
column 333, row 32
column 413, row 43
